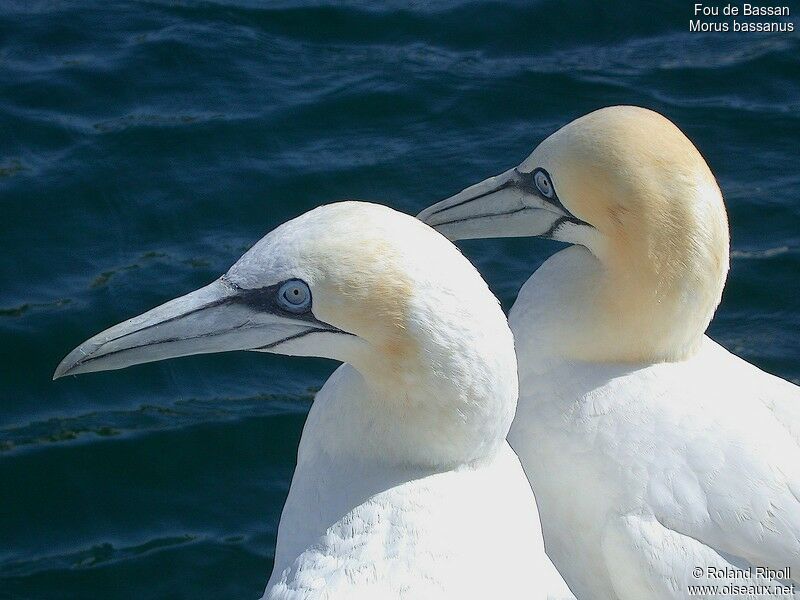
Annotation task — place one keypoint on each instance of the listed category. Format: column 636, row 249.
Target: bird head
column 629, row 186
column 362, row 284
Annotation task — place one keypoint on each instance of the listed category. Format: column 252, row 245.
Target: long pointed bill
column 216, row 318
column 507, row 205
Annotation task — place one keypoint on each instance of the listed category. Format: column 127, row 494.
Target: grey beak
column 488, row 205
column 507, row 205
column 216, row 318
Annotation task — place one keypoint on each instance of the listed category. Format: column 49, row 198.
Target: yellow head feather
column 634, row 176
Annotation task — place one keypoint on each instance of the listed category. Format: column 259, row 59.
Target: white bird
column 405, row 486
column 658, row 458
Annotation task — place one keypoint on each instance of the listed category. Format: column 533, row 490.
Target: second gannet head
column 629, row 186
column 362, row 284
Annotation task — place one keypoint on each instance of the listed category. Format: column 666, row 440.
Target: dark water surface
column 145, row 145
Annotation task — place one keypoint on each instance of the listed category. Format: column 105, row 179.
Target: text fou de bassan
column 739, row 17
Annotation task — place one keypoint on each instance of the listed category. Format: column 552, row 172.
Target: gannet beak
column 216, row 318
column 507, row 205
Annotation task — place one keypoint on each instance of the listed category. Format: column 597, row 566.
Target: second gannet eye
column 543, row 184
column 295, row 296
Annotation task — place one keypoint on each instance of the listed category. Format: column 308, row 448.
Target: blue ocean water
column 145, row 145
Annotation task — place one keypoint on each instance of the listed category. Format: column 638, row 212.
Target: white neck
column 573, row 308
column 353, row 450
column 449, row 401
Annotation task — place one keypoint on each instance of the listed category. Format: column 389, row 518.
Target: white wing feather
column 683, row 462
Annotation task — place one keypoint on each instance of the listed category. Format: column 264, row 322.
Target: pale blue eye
column 543, row 184
column 295, row 296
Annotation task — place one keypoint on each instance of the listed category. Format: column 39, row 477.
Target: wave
column 761, row 254
column 95, row 426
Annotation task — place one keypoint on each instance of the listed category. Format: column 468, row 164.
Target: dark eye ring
column 294, row 296
column 543, row 184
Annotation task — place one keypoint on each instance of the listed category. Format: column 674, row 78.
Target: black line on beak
column 559, row 222
column 213, row 304
column 299, row 335
column 502, row 186
column 91, row 357
column 525, row 183
column 257, row 299
column 483, row 216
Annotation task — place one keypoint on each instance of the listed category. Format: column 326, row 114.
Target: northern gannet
column 656, row 456
column 405, row 486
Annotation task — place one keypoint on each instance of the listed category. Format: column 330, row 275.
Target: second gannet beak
column 516, row 203
column 218, row 317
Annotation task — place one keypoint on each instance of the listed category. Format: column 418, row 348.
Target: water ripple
column 146, row 144
column 94, row 426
